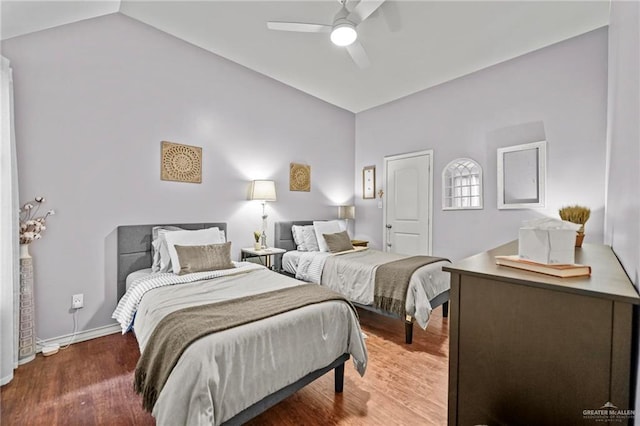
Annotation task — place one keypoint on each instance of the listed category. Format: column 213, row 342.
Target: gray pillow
column 212, row 257
column 338, row 242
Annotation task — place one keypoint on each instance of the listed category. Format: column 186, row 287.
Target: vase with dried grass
column 579, row 215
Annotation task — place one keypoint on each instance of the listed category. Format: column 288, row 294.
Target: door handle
column 389, row 226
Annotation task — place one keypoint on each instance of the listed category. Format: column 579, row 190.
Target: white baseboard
column 5, row 380
column 82, row 335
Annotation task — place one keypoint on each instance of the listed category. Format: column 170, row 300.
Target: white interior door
column 408, row 206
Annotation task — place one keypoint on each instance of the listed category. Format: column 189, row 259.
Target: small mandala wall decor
column 299, row 177
column 181, row 163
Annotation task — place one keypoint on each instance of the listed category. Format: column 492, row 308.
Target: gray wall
column 94, row 99
column 622, row 225
column 558, row 93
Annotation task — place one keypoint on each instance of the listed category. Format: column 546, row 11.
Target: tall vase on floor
column 27, row 332
column 31, row 227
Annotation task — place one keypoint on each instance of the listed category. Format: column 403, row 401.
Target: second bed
column 353, row 274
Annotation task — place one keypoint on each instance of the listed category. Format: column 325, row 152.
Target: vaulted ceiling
column 412, row 45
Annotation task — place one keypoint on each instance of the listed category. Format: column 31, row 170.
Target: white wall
column 622, row 226
column 558, row 93
column 94, row 100
column 622, row 223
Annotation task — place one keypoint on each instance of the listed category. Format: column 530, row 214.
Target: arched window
column 462, row 185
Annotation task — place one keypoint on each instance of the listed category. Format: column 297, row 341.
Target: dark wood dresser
column 527, row 348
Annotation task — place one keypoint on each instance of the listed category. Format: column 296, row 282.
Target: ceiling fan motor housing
column 341, row 15
column 344, row 34
column 344, row 31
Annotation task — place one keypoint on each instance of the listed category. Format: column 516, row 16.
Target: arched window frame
column 462, row 185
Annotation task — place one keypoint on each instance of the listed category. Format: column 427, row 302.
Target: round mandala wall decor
column 181, row 163
column 299, row 177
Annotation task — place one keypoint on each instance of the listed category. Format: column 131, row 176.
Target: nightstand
column 267, row 254
column 359, row 243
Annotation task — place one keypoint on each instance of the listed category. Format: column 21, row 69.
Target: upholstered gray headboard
column 134, row 247
column 283, row 237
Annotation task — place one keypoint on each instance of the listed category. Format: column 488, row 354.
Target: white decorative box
column 548, row 241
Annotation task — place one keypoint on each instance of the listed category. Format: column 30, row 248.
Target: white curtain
column 9, row 254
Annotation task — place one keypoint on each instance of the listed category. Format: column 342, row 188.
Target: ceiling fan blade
column 358, row 54
column 299, row 27
column 392, row 15
column 363, row 10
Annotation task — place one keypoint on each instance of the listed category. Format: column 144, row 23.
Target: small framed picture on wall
column 369, row 182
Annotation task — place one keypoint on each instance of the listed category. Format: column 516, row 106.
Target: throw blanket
column 392, row 282
column 178, row 330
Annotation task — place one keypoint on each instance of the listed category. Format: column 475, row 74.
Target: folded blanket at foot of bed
column 392, row 281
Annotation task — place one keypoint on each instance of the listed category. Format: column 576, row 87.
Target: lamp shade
column 263, row 190
column 346, row 212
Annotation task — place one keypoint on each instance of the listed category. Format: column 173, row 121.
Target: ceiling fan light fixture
column 343, row 34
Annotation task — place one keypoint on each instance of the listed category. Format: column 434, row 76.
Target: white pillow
column 310, row 240
column 298, row 237
column 156, row 244
column 155, row 255
column 326, row 227
column 159, row 251
column 162, row 258
column 200, row 237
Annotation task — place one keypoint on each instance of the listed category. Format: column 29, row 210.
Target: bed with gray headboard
column 134, row 253
column 283, row 238
column 134, row 247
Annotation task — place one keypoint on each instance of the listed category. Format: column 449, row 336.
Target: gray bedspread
column 181, row 328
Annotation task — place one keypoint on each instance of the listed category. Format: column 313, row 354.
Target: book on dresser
column 562, row 271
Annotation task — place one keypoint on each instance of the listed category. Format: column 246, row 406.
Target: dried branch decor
column 32, row 225
column 181, row 163
column 579, row 215
column 575, row 214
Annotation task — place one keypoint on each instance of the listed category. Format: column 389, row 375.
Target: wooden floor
column 91, row 383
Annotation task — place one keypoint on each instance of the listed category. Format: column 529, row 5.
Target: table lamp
column 263, row 190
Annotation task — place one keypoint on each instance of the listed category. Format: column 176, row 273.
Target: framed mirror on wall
column 522, row 176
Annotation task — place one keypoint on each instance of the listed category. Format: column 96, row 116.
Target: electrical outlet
column 77, row 301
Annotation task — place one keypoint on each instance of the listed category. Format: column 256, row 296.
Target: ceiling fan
column 343, row 29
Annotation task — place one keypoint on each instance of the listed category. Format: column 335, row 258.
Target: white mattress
column 135, row 275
